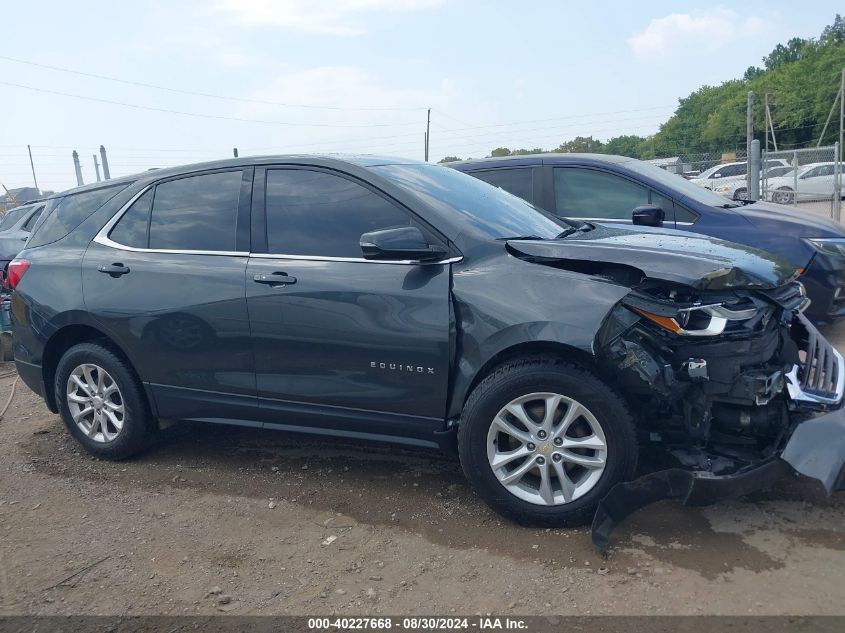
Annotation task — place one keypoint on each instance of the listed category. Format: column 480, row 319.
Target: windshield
column 678, row 184
column 11, row 217
column 778, row 171
column 491, row 210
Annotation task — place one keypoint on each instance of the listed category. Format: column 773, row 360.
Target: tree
column 580, row 144
column 625, row 145
column 448, row 159
column 500, row 151
column 834, row 33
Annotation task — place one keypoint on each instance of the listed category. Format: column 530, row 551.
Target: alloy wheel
column 95, row 402
column 546, row 448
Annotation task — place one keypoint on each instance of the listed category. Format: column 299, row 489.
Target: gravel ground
column 229, row 520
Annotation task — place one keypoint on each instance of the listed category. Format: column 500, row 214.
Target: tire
column 127, row 405
column 545, row 375
column 782, row 196
column 741, row 194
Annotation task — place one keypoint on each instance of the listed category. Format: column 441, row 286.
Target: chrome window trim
column 102, row 238
column 360, row 260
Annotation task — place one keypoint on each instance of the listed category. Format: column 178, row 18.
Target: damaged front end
column 734, row 383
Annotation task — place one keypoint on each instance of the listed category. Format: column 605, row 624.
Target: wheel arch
column 66, row 337
column 522, row 349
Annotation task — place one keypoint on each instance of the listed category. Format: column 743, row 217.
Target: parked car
column 710, row 178
column 609, row 189
column 816, row 181
column 736, row 187
column 15, row 227
column 394, row 300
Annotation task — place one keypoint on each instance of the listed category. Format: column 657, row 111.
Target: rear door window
column 133, row 227
column 519, row 182
column 197, row 213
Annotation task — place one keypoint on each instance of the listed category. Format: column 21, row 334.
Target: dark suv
column 607, row 189
column 401, row 301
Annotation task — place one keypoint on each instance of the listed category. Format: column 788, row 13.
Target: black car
column 609, row 189
column 394, row 300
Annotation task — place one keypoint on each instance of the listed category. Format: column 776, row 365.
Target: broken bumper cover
column 816, row 449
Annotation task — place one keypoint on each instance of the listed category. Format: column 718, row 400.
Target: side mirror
column 648, row 215
column 403, row 243
column 716, row 175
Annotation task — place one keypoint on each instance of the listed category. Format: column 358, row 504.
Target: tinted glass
column 587, row 193
column 315, row 213
column 519, row 182
column 198, row 213
column 460, row 198
column 32, row 220
column 12, row 216
column 676, row 184
column 67, row 213
column 132, row 229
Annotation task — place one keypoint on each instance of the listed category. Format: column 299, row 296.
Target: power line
column 201, row 115
column 209, row 95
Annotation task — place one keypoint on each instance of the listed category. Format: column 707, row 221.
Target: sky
column 168, row 83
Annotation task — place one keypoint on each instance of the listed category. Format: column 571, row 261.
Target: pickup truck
column 401, row 301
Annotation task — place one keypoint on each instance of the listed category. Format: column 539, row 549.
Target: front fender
column 504, row 301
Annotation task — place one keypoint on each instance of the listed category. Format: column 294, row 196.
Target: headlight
column 828, row 245
column 703, row 320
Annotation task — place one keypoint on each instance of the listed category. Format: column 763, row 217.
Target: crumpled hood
column 797, row 223
column 701, row 262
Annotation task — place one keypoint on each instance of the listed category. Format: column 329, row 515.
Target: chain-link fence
column 811, row 177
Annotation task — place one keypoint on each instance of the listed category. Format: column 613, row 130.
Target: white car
column 736, row 188
column 815, row 182
column 710, row 178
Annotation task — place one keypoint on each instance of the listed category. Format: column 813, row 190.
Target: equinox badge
column 408, row 369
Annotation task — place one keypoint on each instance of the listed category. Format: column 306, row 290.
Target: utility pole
column 106, row 172
column 754, row 171
column 749, row 136
column 77, row 168
column 97, row 168
column 427, row 132
column 235, row 151
column 32, row 165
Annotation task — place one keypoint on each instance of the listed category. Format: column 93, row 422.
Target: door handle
column 274, row 279
column 115, row 270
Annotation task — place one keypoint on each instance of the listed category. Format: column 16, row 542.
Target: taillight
column 15, row 272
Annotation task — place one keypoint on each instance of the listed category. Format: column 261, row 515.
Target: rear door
column 340, row 341
column 165, row 278
column 818, row 182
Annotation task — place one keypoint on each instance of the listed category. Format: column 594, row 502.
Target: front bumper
column 816, row 449
column 814, row 446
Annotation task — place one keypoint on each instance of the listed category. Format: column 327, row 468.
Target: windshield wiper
column 584, row 228
column 520, row 237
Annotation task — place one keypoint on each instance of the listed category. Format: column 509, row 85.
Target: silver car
column 15, row 227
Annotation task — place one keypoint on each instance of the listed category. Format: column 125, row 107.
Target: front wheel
column 543, row 441
column 741, row 194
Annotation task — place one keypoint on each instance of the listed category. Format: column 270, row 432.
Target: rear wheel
column 101, row 402
column 741, row 194
column 543, row 441
column 782, row 196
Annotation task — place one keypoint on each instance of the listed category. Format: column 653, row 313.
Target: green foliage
column 801, row 77
column 448, row 159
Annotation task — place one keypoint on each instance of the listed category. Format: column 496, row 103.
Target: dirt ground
column 229, row 520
